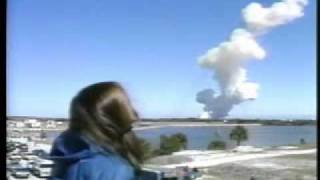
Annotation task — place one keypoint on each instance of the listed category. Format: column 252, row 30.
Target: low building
column 23, row 140
column 20, row 125
column 51, row 124
column 10, row 125
column 44, row 147
column 32, row 123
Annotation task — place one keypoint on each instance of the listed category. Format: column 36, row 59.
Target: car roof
column 44, row 161
column 21, row 168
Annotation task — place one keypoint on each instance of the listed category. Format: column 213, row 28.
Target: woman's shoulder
column 106, row 159
column 107, row 166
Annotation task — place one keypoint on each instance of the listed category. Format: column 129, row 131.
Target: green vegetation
column 288, row 123
column 170, row 144
column 267, row 122
column 239, row 133
column 182, row 139
column 147, row 149
column 217, row 145
column 306, row 146
column 302, row 141
column 312, row 156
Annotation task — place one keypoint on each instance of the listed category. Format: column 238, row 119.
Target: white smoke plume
column 259, row 18
column 227, row 60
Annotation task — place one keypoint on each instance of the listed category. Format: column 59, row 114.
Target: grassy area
column 286, row 167
column 291, row 167
column 299, row 146
column 300, row 157
column 306, row 146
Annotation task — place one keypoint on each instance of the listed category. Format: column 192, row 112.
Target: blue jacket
column 76, row 158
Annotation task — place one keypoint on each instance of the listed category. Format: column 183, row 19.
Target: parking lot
column 31, row 177
column 22, row 162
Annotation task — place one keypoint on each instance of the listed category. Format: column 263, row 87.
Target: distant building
column 20, row 125
column 10, row 124
column 61, row 124
column 19, row 139
column 45, row 147
column 32, row 123
column 204, row 115
column 51, row 124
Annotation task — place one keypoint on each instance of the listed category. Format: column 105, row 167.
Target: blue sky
column 57, row 47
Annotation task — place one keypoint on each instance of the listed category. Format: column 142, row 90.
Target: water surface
column 200, row 137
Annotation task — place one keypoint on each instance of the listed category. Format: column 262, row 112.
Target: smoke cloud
column 259, row 18
column 227, row 60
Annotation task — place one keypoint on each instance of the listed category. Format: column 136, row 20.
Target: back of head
column 103, row 113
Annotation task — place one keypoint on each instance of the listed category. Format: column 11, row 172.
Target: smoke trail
column 228, row 58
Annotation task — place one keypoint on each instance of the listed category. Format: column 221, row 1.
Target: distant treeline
column 289, row 123
column 33, row 117
column 277, row 122
column 293, row 122
column 180, row 120
column 268, row 122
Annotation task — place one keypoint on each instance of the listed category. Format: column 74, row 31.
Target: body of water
column 200, row 137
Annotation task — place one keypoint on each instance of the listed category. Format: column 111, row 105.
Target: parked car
column 23, row 147
column 42, row 168
column 39, row 152
column 15, row 157
column 14, row 154
column 12, row 165
column 20, row 172
column 31, row 165
column 26, row 153
column 10, row 147
column 29, row 157
column 17, row 143
column 149, row 174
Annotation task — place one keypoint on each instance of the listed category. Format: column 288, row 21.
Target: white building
column 20, row 140
column 20, row 124
column 51, row 124
column 45, row 147
column 11, row 124
column 32, row 123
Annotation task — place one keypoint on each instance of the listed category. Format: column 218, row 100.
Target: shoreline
column 149, row 126
column 190, row 125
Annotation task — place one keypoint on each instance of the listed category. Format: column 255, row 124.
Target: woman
column 99, row 143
